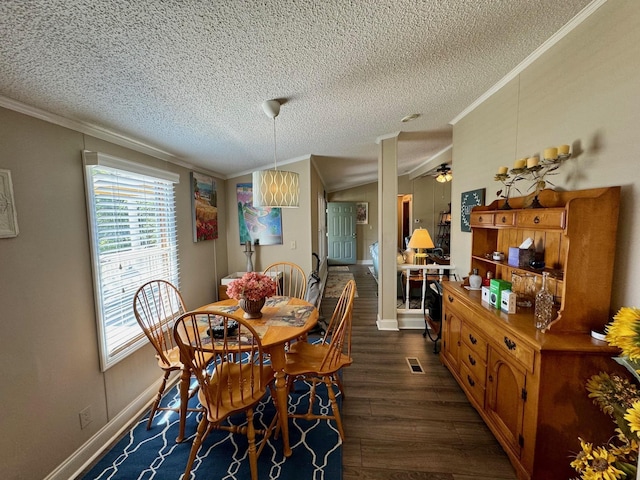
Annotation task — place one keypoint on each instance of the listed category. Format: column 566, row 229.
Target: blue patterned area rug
column 154, row 454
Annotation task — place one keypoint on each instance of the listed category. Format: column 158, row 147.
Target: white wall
column 48, row 342
column 583, row 91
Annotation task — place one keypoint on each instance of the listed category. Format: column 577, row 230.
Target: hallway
column 403, row 425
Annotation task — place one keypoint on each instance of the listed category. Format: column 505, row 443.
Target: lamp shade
column 421, row 239
column 276, row 188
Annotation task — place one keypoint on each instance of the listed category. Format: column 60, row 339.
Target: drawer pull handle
column 504, row 219
column 472, row 360
column 511, row 345
column 471, row 382
column 450, row 298
column 490, row 378
column 480, row 219
column 473, row 340
column 536, row 220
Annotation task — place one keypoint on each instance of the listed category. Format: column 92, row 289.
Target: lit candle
column 550, row 153
column 520, row 163
column 532, row 162
column 502, row 170
column 563, row 149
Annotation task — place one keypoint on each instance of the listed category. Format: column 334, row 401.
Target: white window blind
column 132, row 221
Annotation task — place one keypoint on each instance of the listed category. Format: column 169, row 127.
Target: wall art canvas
column 467, row 202
column 204, row 198
column 8, row 215
column 258, row 225
column 362, row 212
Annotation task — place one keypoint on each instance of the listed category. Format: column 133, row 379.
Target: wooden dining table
column 283, row 320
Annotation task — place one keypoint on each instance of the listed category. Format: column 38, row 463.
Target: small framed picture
column 467, row 202
column 362, row 213
column 8, row 215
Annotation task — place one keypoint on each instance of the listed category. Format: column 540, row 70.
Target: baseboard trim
column 82, row 458
column 389, row 324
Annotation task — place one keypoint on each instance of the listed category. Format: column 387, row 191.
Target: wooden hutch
column 529, row 386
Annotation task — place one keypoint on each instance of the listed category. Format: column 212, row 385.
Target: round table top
column 283, row 318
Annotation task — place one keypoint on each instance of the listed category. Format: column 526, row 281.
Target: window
column 132, row 223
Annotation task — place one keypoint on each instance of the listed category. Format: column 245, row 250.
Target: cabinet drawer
column 482, row 218
column 541, row 218
column 515, row 348
column 471, row 384
column 505, row 219
column 474, row 341
column 476, row 365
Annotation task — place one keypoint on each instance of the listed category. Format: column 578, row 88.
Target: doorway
column 341, row 233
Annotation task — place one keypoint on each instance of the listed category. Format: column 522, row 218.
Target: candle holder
column 538, row 174
column 508, row 181
column 248, row 252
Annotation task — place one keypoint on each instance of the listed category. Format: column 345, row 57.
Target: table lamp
column 420, row 240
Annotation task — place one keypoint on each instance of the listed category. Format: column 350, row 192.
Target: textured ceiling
column 189, row 77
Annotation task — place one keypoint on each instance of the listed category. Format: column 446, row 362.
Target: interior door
column 341, row 233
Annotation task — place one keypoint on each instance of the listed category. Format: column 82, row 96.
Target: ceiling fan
column 443, row 173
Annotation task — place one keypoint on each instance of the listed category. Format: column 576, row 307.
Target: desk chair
column 157, row 305
column 322, row 362
column 236, row 382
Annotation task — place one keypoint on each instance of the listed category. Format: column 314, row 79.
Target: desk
column 425, row 271
column 276, row 327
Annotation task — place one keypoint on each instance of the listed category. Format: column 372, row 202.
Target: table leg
column 185, row 380
column 282, row 395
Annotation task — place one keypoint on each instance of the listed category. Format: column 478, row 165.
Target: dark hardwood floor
column 403, row 425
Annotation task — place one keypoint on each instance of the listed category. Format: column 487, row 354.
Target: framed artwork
column 204, row 202
column 362, row 212
column 258, row 225
column 467, row 202
column 8, row 215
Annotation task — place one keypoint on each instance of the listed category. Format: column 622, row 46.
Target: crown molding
column 585, row 13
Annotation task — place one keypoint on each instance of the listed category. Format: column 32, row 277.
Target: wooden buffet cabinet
column 529, row 386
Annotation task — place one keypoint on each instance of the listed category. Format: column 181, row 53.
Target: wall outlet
column 85, row 417
column 293, row 245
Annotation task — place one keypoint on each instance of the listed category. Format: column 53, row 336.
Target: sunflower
column 624, row 332
column 602, row 467
column 584, row 456
column 633, row 416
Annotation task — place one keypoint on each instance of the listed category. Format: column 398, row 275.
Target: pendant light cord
column 275, row 157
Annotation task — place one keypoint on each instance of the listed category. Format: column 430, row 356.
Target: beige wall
column 48, row 342
column 296, row 227
column 583, row 91
column 366, row 233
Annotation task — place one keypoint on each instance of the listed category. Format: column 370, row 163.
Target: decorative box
column 495, row 291
column 520, row 257
column 508, row 301
column 485, row 294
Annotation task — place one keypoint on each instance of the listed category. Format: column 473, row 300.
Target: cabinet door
column 451, row 338
column 505, row 399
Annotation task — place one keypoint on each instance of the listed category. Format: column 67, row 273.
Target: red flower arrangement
column 252, row 286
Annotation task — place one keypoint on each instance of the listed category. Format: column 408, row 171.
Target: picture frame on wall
column 469, row 200
column 204, row 202
column 362, row 213
column 8, row 214
column 258, row 225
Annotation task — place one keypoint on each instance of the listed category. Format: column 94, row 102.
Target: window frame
column 133, row 335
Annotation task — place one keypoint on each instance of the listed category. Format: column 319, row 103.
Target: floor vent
column 414, row 365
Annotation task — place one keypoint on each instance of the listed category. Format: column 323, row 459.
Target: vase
column 252, row 308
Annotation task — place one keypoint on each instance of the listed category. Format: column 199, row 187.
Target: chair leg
column 251, row 437
column 203, row 428
column 334, row 406
column 185, row 380
column 154, row 408
column 338, row 382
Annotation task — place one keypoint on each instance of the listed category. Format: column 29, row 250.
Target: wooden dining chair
column 293, row 282
column 321, row 362
column 157, row 305
column 236, row 380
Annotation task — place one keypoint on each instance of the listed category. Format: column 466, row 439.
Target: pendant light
column 275, row 188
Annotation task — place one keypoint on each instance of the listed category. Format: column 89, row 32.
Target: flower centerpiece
column 620, row 399
column 251, row 291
